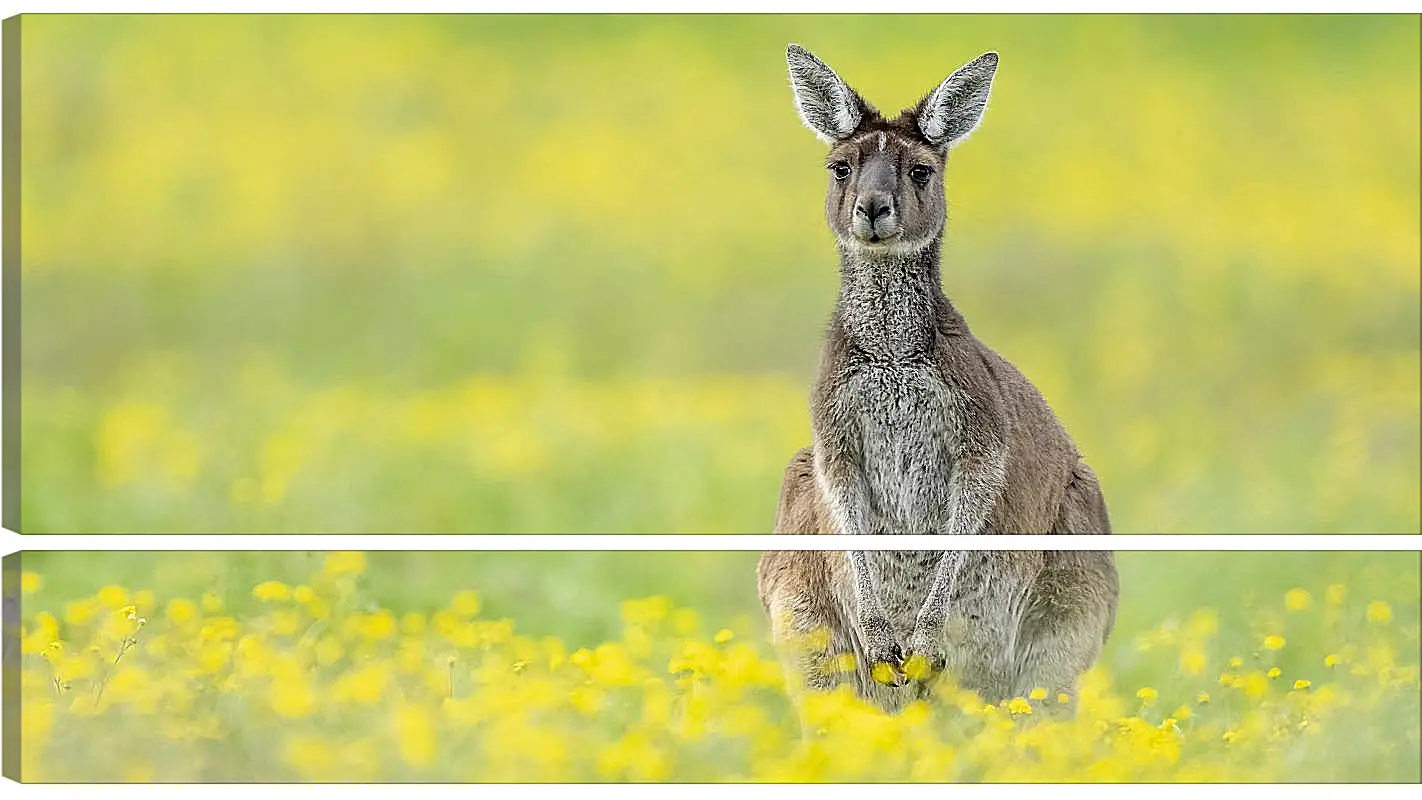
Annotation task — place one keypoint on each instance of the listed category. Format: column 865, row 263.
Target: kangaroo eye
column 920, row 174
column 840, row 170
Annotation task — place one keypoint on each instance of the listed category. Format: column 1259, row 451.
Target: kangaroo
column 920, row 428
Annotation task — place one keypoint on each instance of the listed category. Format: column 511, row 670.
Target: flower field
column 310, row 680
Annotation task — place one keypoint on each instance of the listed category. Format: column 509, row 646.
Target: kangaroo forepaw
column 885, row 654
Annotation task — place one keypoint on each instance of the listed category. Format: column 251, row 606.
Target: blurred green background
column 568, row 273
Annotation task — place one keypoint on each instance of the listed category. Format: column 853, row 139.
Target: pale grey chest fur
column 907, row 423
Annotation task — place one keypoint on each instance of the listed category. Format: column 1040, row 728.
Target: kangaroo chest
column 905, row 420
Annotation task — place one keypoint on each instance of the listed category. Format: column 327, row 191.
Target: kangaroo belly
column 904, row 578
column 908, row 426
column 990, row 593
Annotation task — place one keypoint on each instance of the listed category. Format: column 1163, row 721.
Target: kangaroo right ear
column 826, row 104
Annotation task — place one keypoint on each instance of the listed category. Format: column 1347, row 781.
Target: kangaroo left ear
column 951, row 112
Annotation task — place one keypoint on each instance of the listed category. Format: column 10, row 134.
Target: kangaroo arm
column 934, row 611
column 978, row 478
column 845, row 494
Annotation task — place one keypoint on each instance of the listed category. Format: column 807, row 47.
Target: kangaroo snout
column 873, row 205
column 874, row 217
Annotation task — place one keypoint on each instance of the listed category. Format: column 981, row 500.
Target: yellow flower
column 311, row 756
column 79, row 612
column 917, row 667
column 1274, row 672
column 722, row 636
column 1018, row 705
column 112, row 597
column 1147, row 696
column 1274, row 642
column 1037, row 694
column 30, row 582
column 1202, row 698
column 884, row 673
column 1235, row 662
column 685, row 621
column 303, row 594
column 1192, row 662
column 1330, row 660
column 1063, row 697
column 1297, row 599
column 1336, row 593
column 344, row 562
column 646, row 611
column 292, row 696
column 286, row 622
column 271, row 590
column 466, row 603
column 415, row 732
column 143, row 599
column 1302, row 684
column 380, row 625
column 328, row 651
column 1254, row 685
column 1379, row 612
column 365, row 685
column 587, row 699
column 1203, row 623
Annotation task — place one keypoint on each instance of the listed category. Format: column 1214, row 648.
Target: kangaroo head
column 886, row 176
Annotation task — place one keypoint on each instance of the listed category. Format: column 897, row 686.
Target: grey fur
column 826, row 104
column 921, row 428
column 951, row 112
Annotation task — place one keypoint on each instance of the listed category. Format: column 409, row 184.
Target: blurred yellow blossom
column 1297, row 599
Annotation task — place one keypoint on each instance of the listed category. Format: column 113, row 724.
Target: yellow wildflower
column 271, row 590
column 1336, row 593
column 112, row 597
column 344, row 563
column 466, row 603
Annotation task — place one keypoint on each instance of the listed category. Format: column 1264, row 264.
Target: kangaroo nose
column 874, row 205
